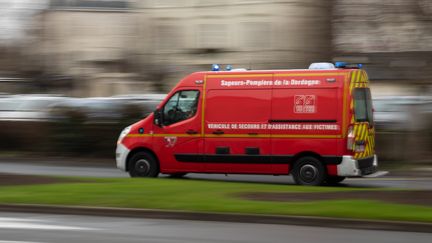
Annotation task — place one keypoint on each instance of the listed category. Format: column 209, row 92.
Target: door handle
column 218, row 132
column 190, row 131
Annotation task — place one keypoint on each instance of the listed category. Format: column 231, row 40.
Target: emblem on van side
column 170, row 141
column 304, row 104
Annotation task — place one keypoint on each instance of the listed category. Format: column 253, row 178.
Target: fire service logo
column 170, row 141
column 304, row 104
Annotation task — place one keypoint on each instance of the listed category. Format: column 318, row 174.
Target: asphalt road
column 41, row 228
column 104, row 171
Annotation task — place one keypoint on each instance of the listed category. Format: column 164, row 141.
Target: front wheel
column 143, row 164
column 309, row 171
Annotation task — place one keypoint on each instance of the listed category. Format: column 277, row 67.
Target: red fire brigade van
column 316, row 124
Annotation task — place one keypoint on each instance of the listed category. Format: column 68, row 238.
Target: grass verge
column 205, row 196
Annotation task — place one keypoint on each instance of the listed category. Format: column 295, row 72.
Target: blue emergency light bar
column 348, row 65
column 215, row 67
column 340, row 64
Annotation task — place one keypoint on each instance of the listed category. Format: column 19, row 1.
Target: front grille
column 365, row 163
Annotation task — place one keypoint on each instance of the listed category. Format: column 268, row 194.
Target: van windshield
column 363, row 105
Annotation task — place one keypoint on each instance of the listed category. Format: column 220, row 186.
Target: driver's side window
column 181, row 106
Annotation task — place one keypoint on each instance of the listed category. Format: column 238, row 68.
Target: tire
column 177, row 175
column 334, row 180
column 309, row 171
column 143, row 164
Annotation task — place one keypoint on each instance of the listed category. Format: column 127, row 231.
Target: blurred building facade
column 393, row 38
column 189, row 35
column 91, row 42
column 114, row 47
column 109, row 47
column 394, row 41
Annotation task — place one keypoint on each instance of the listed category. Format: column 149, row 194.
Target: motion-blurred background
column 73, row 73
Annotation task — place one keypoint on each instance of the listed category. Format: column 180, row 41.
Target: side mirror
column 157, row 114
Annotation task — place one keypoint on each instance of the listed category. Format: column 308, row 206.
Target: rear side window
column 181, row 106
column 363, row 105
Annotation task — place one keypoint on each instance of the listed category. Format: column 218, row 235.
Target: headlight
column 124, row 133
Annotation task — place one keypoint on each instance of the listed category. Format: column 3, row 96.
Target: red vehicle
column 316, row 124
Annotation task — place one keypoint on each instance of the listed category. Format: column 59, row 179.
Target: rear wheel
column 143, row 164
column 309, row 171
column 334, row 180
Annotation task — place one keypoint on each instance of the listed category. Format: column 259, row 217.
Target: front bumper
column 121, row 156
column 350, row 167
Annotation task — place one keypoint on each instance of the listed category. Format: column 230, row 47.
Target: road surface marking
column 7, row 241
column 19, row 220
column 16, row 223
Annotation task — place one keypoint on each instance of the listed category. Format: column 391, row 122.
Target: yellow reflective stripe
column 203, row 106
column 352, row 81
column 357, row 132
column 305, row 136
column 164, row 135
column 360, row 78
column 364, row 135
column 239, row 135
column 351, row 87
column 364, row 132
column 139, row 135
column 272, row 74
column 240, row 75
column 177, row 135
column 307, row 74
column 345, row 104
column 272, row 136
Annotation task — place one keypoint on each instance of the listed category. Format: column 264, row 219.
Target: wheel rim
column 142, row 166
column 308, row 173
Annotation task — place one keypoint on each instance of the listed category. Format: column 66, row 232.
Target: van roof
column 193, row 78
column 341, row 70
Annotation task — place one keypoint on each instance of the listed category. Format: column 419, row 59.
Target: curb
column 223, row 217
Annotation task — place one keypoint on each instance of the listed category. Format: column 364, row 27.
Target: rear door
column 363, row 124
